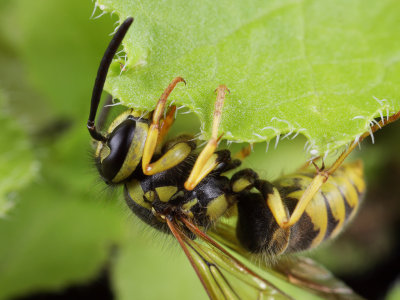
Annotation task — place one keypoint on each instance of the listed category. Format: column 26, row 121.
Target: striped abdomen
column 325, row 216
column 331, row 208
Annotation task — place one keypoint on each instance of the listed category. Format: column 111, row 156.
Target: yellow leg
column 165, row 126
column 275, row 204
column 205, row 163
column 301, row 206
column 152, row 139
column 308, row 164
column 321, row 177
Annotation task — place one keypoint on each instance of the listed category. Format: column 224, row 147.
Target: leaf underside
column 323, row 69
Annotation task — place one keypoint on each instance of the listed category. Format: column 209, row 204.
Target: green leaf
column 324, row 69
column 17, row 162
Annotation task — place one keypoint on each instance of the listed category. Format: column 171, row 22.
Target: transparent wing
column 222, row 275
column 299, row 271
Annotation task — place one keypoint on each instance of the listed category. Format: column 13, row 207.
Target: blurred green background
column 63, row 233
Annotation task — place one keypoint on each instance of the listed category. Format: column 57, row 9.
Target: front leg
column 155, row 136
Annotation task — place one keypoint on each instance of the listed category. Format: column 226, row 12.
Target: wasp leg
column 308, row 164
column 243, row 153
column 256, row 220
column 247, row 179
column 166, row 124
column 243, row 180
column 225, row 161
column 153, row 139
column 323, row 175
column 206, row 161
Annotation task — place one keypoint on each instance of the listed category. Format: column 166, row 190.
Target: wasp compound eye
column 118, row 143
column 118, row 157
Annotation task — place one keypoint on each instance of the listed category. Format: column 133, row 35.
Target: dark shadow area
column 99, row 289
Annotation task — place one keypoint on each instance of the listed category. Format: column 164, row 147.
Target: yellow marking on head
column 134, row 154
column 166, row 192
column 102, row 151
column 135, row 151
column 122, row 117
column 217, row 207
column 98, row 146
column 136, row 193
column 240, row 184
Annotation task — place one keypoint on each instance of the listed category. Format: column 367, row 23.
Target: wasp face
column 120, row 153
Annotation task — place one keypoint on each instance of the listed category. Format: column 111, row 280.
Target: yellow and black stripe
column 325, row 216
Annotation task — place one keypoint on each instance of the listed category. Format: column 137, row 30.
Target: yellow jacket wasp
column 174, row 189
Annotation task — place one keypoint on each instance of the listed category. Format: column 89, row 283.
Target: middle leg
column 246, row 179
column 155, row 136
column 207, row 161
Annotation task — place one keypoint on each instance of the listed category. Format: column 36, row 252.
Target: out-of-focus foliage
column 394, row 294
column 66, row 226
column 17, row 164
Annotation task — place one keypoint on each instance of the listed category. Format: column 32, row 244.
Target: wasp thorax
column 118, row 156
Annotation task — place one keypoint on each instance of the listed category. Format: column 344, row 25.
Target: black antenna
column 102, row 74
